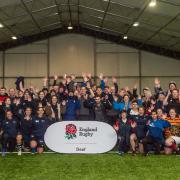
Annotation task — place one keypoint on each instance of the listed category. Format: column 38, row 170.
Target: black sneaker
column 121, row 153
column 178, row 152
column 134, row 153
column 145, row 154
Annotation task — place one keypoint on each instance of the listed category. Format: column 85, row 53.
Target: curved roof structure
column 155, row 29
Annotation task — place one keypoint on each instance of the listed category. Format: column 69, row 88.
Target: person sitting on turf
column 39, row 125
column 172, row 134
column 155, row 133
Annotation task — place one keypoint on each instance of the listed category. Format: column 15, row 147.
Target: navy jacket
column 11, row 127
column 72, row 105
column 39, row 126
column 26, row 126
column 124, row 130
column 141, row 129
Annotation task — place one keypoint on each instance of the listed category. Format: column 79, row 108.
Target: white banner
column 80, row 137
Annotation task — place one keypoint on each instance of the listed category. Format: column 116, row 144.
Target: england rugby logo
column 71, row 131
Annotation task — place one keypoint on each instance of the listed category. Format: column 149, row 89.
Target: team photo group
column 145, row 123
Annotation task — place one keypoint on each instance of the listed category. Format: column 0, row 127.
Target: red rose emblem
column 71, row 131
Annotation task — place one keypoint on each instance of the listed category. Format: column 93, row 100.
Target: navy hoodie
column 39, row 126
column 11, row 127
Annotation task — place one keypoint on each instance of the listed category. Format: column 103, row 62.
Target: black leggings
column 8, row 142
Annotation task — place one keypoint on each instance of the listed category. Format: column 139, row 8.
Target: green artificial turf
column 89, row 167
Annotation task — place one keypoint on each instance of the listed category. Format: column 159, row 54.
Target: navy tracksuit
column 123, row 135
column 39, row 126
column 141, row 129
column 26, row 130
column 10, row 129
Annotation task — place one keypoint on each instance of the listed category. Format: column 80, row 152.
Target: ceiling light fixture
column 1, row 25
column 125, row 37
column 152, row 3
column 14, row 37
column 135, row 24
column 70, row 26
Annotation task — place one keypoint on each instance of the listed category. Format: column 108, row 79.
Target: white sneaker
column 19, row 153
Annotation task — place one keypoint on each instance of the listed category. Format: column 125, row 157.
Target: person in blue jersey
column 72, row 107
column 11, row 136
column 39, row 125
column 124, row 105
column 26, row 128
column 155, row 134
column 139, row 130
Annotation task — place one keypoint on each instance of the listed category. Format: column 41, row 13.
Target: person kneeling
column 155, row 133
column 39, row 125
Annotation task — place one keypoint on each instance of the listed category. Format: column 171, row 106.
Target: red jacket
column 3, row 97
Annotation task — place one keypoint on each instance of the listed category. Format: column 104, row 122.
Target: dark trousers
column 150, row 140
column 123, row 146
column 8, row 142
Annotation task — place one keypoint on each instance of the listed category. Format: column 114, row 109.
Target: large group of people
column 144, row 122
